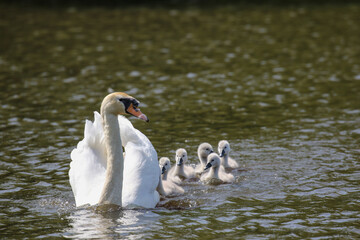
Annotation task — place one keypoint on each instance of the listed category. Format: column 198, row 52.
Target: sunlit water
column 281, row 84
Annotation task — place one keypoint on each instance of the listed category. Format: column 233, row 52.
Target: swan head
column 181, row 156
column 120, row 103
column 213, row 160
column 223, row 148
column 204, row 150
column 164, row 164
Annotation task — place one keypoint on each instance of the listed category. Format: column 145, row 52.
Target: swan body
column 100, row 173
column 217, row 174
column 203, row 151
column 181, row 171
column 226, row 161
column 167, row 187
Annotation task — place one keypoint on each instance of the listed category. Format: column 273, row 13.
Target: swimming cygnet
column 167, row 186
column 226, row 161
column 203, row 151
column 182, row 171
column 217, row 174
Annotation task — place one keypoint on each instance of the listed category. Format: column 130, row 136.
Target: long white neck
column 112, row 190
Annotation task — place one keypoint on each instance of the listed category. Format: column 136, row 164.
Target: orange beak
column 135, row 111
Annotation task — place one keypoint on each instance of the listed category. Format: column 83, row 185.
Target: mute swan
column 203, row 151
column 180, row 171
column 226, row 161
column 166, row 185
column 217, row 174
column 99, row 174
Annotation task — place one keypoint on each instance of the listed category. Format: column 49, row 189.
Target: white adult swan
column 99, row 174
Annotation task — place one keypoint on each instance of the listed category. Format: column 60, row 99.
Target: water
column 281, row 84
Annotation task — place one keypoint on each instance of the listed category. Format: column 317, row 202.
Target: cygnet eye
column 183, row 155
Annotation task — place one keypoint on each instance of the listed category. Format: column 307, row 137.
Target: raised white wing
column 141, row 169
column 88, row 165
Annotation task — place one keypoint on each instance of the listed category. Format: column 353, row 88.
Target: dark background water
column 279, row 81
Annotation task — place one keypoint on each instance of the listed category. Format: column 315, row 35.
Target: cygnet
column 181, row 171
column 226, row 161
column 217, row 174
column 167, row 186
column 203, row 152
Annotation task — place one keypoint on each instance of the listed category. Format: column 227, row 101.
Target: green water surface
column 280, row 83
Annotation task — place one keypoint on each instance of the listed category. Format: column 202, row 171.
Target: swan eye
column 135, row 103
column 183, row 156
column 207, row 149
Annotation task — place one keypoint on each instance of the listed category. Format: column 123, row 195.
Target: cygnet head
column 204, row 150
column 120, row 103
column 223, row 148
column 213, row 161
column 181, row 156
column 164, row 164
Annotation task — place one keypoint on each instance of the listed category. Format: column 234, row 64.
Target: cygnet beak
column 207, row 166
column 222, row 153
column 135, row 111
column 163, row 170
column 179, row 162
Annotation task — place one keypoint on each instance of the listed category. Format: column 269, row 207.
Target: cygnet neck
column 164, row 176
column 214, row 172
column 203, row 160
column 224, row 160
column 160, row 187
column 179, row 170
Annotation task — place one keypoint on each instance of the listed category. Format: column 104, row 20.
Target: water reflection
column 89, row 223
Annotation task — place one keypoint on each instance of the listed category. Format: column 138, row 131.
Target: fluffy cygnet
column 226, row 161
column 167, row 186
column 181, row 170
column 217, row 174
column 203, row 151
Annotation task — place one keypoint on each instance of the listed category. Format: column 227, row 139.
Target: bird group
column 117, row 164
column 212, row 169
